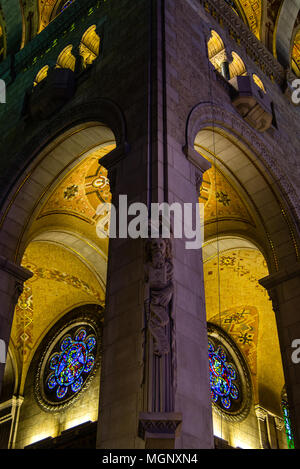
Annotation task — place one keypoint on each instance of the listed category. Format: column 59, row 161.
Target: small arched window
column 258, row 82
column 66, row 59
column 237, row 67
column 41, row 75
column 89, row 46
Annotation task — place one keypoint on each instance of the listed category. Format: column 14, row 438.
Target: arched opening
column 57, row 241
column 250, row 12
column 295, row 54
column 240, row 249
column 237, row 67
column 50, row 10
column 66, row 59
column 219, row 58
column 89, row 46
column 258, row 82
column 42, row 74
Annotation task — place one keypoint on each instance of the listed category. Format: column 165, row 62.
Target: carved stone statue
column 160, row 328
column 159, row 277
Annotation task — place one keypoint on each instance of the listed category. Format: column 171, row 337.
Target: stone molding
column 269, row 152
column 160, row 425
column 274, row 280
column 196, row 159
column 19, row 273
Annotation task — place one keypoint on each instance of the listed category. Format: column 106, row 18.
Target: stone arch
column 255, row 167
column 284, row 31
column 295, row 52
column 55, row 150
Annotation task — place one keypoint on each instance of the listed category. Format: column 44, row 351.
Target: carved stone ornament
column 219, row 58
column 279, row 422
column 261, row 413
column 160, row 288
column 160, row 425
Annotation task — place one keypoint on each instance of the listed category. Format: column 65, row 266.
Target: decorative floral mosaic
column 82, row 191
column 221, row 200
column 24, row 312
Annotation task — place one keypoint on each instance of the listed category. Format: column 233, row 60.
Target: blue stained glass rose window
column 224, row 379
column 71, row 362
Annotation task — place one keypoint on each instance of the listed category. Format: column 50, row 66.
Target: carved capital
column 279, row 422
column 261, row 413
column 219, row 58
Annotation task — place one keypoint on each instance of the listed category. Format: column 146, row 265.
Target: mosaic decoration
column 296, row 55
column 241, row 323
column 230, row 382
column 24, row 312
column 68, row 364
column 24, row 322
column 223, row 198
column 287, row 423
column 221, row 201
column 82, row 191
column 223, row 377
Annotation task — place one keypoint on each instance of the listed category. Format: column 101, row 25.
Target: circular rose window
column 230, row 383
column 68, row 365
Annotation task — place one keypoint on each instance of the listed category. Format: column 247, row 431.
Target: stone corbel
column 159, row 430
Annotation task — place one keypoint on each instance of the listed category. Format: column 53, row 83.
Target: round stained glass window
column 68, row 365
column 230, row 384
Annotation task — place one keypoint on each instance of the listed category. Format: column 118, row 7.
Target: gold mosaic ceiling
column 82, row 190
column 221, row 200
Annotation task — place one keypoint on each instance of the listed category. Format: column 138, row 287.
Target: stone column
column 121, row 392
column 220, row 61
column 262, row 416
column 284, row 291
column 272, row 435
column 279, row 424
column 16, row 407
column 192, row 392
column 12, row 278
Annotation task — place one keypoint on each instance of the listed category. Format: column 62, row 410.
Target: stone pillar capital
column 279, row 422
column 219, row 58
column 261, row 413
